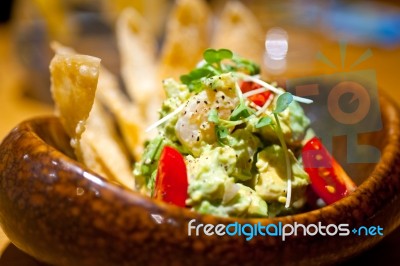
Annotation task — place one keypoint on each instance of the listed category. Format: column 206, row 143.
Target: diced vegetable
column 260, row 98
column 171, row 183
column 328, row 179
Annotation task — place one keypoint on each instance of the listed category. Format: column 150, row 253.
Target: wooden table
column 14, row 107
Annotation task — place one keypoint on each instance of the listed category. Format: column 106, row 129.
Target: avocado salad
column 228, row 143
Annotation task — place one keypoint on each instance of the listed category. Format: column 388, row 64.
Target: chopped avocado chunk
column 294, row 125
column 271, row 181
column 212, row 189
column 245, row 145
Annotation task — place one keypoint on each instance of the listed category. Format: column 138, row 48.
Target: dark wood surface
column 386, row 252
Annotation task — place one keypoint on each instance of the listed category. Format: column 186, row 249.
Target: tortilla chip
column 137, row 46
column 100, row 147
column 58, row 48
column 128, row 117
column 73, row 86
column 186, row 38
column 129, row 120
column 106, row 153
column 153, row 10
column 239, row 30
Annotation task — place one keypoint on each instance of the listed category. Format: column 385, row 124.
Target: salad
column 231, row 144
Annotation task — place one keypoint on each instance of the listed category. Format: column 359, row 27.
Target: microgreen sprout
column 212, row 65
column 212, row 56
column 282, row 103
column 241, row 111
column 245, row 65
column 222, row 133
column 213, row 117
column 221, row 125
column 263, row 121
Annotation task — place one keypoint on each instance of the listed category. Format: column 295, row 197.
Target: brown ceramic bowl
column 56, row 210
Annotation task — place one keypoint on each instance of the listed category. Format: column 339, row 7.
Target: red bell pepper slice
column 171, row 182
column 328, row 179
column 258, row 99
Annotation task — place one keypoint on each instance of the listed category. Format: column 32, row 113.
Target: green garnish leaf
column 216, row 56
column 193, row 79
column 283, row 102
column 152, row 150
column 213, row 66
column 240, row 112
column 145, row 169
column 213, row 116
column 246, row 65
column 196, row 74
column 222, row 133
column 264, row 121
column 287, row 159
column 151, row 182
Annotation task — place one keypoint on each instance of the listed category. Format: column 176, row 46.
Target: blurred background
column 296, row 33
column 302, row 38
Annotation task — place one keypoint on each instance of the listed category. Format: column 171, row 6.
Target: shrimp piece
column 193, row 128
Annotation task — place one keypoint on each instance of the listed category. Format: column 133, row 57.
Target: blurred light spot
column 276, row 43
column 80, row 191
column 157, row 218
column 93, row 178
column 276, row 48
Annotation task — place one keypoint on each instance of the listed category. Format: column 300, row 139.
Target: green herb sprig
column 282, row 103
column 221, row 125
column 263, row 121
column 217, row 62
